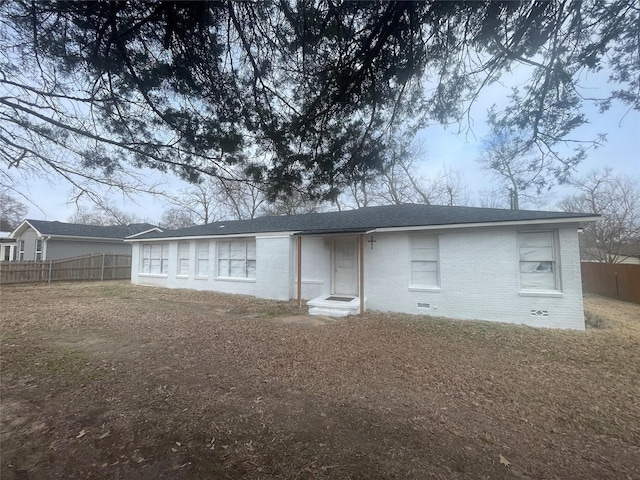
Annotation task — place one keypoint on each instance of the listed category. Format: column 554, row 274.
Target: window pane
column 424, row 254
column 251, row 269
column 536, row 253
column 238, row 250
column 541, row 267
column 203, row 250
column 203, row 267
column 538, row 280
column 424, row 278
column 424, row 273
column 238, row 268
column 223, row 249
column 223, row 268
column 537, row 260
column 155, row 265
column 183, row 268
column 424, row 266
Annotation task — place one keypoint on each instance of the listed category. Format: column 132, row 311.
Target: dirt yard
column 125, row 382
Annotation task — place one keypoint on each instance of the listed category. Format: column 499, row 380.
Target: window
column 38, row 250
column 424, row 261
column 155, row 258
column 202, row 253
column 21, row 250
column 183, row 258
column 237, row 259
column 538, row 265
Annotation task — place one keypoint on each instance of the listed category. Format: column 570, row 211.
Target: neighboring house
column 7, row 247
column 626, row 253
column 513, row 266
column 36, row 240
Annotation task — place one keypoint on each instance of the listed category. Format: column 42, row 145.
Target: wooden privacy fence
column 86, row 268
column 615, row 280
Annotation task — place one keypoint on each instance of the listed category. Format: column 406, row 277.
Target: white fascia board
column 515, row 223
column 82, row 239
column 155, row 229
column 211, row 237
column 20, row 228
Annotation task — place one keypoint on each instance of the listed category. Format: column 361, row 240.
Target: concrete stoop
column 334, row 305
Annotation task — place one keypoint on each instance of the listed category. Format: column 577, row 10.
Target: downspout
column 362, row 274
column 44, row 247
column 299, row 272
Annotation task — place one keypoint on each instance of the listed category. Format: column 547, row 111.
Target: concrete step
column 330, row 306
column 328, row 312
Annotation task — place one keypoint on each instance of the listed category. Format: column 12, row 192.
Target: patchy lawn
column 118, row 381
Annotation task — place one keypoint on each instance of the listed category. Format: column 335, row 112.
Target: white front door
column 345, row 266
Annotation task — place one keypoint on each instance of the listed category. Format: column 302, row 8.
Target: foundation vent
column 424, row 305
column 539, row 313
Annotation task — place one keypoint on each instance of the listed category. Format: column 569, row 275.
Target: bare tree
column 213, row 199
column 176, row 217
column 104, row 214
column 12, row 212
column 491, row 199
column 401, row 181
column 523, row 170
column 238, row 199
column 617, row 199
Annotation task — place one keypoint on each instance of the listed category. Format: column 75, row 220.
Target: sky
column 444, row 147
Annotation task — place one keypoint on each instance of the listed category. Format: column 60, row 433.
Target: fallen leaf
column 81, row 434
column 504, row 461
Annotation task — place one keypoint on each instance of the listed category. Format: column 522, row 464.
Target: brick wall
column 479, row 279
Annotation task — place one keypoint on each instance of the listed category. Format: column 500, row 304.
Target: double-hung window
column 237, row 259
column 155, row 258
column 183, row 258
column 202, row 259
column 38, row 250
column 538, row 262
column 21, row 250
column 424, row 261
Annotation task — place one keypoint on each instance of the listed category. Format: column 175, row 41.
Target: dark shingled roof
column 363, row 219
column 60, row 229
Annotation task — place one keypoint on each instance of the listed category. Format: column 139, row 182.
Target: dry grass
column 117, row 381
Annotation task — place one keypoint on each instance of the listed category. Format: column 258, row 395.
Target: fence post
column 102, row 269
column 50, row 263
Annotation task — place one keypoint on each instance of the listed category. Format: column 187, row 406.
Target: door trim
column 356, row 283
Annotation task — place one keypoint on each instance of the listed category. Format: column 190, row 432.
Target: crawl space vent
column 539, row 313
column 424, row 305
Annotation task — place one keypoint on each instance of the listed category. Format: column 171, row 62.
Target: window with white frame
column 38, row 255
column 424, row 261
column 202, row 259
column 155, row 258
column 538, row 262
column 237, row 259
column 183, row 258
column 21, row 250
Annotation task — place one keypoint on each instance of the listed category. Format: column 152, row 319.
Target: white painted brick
column 479, row 276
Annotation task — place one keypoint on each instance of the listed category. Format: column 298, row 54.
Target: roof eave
column 539, row 221
column 20, row 228
column 211, row 236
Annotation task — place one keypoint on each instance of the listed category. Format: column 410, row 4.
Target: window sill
column 236, row 279
column 153, row 275
column 425, row 289
column 541, row 293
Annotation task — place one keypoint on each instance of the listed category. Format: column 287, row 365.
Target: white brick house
column 459, row 262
